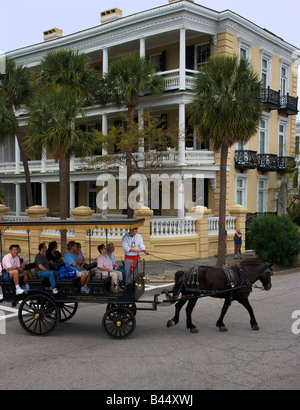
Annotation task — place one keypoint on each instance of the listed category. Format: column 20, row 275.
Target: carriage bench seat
column 99, row 286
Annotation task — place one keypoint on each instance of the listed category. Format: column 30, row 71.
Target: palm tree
column 129, row 78
column 16, row 84
column 8, row 122
column 226, row 109
column 66, row 83
column 50, row 125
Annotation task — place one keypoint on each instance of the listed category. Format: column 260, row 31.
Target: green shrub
column 275, row 239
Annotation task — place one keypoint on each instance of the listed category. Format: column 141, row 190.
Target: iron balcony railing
column 245, row 159
column 288, row 105
column 267, row 163
column 285, row 164
column 271, row 98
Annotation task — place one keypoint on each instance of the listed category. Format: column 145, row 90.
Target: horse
column 232, row 284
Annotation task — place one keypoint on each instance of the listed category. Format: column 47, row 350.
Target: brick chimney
column 52, row 34
column 110, row 15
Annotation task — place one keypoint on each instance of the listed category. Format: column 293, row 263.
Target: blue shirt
column 112, row 257
column 69, row 259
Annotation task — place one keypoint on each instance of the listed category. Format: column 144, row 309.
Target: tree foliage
column 226, row 109
column 275, row 239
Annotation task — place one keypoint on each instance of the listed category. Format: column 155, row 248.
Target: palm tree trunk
column 130, row 211
column 222, row 205
column 64, row 196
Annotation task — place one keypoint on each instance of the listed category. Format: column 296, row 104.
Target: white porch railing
column 213, row 224
column 163, row 227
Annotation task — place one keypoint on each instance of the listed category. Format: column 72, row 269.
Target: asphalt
column 163, row 270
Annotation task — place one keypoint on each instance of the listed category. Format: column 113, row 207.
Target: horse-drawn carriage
column 40, row 311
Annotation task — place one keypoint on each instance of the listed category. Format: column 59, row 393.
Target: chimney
column 110, row 15
column 52, row 34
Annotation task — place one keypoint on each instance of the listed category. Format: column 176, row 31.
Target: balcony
column 267, row 163
column 285, row 164
column 245, row 160
column 288, row 105
column 270, row 98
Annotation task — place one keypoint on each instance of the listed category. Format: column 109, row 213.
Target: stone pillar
column 201, row 214
column 146, row 213
column 240, row 212
column 35, row 213
column 3, row 211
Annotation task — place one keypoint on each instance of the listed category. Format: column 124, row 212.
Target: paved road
column 78, row 354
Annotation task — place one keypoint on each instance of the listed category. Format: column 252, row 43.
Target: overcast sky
column 22, row 22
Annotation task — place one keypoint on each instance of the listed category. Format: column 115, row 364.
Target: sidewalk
column 164, row 270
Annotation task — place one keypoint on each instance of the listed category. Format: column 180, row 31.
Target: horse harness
column 233, row 279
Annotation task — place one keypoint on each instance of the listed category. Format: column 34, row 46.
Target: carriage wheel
column 131, row 306
column 67, row 311
column 118, row 322
column 38, row 315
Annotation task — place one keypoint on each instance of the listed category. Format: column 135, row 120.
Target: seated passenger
column 43, row 269
column 54, row 256
column 12, row 269
column 105, row 267
column 79, row 253
column 111, row 255
column 71, row 260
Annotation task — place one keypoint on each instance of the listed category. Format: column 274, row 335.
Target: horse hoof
column 170, row 323
column 223, row 329
column 255, row 327
column 194, row 330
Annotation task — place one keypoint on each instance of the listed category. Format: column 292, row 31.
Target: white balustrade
column 213, row 225
column 163, row 227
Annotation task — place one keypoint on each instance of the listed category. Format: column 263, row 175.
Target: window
column 92, row 194
column 284, row 89
column 159, row 60
column 241, row 189
column 7, row 150
column 202, row 54
column 245, row 51
column 282, row 139
column 266, row 71
column 263, row 135
column 262, row 194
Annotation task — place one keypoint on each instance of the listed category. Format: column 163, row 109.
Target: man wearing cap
column 133, row 245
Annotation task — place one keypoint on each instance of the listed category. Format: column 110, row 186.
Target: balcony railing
column 270, row 98
column 165, row 158
column 285, row 164
column 267, row 163
column 245, row 160
column 288, row 105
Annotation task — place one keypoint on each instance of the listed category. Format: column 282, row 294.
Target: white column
column 182, row 58
column 18, row 199
column 105, row 61
column 44, row 193
column 181, row 144
column 142, row 47
column 17, row 155
column 180, row 199
column 104, row 131
column 72, row 195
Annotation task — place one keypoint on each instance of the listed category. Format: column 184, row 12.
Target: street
column 79, row 355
